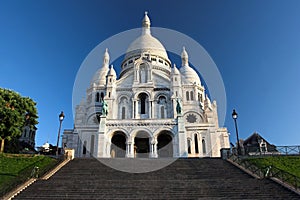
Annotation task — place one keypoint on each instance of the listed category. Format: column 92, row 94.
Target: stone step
column 183, row 179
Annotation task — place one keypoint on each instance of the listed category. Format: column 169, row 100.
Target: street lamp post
column 61, row 118
column 235, row 116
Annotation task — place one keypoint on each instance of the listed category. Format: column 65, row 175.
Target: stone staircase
column 184, row 179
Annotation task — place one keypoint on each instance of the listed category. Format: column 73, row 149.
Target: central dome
column 146, row 43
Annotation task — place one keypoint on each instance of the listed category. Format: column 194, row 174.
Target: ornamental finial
column 146, row 24
column 184, row 57
column 106, row 58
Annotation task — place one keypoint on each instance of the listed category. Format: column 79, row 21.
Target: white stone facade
column 143, row 119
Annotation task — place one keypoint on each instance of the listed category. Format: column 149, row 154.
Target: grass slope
column 17, row 168
column 290, row 164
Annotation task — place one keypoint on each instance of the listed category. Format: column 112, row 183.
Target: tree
column 15, row 112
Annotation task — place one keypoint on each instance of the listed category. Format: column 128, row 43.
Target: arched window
column 192, row 95
column 189, row 146
column 162, row 112
column 143, row 105
column 203, row 146
column 97, row 97
column 84, row 148
column 102, row 96
column 108, row 94
column 143, row 74
column 196, row 143
column 162, row 100
column 187, row 95
column 176, row 94
column 123, row 112
column 162, row 106
column 199, row 96
column 175, row 78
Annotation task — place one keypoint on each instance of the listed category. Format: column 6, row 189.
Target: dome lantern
column 184, row 57
column 106, row 58
column 146, row 24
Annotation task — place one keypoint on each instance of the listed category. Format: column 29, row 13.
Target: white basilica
column 151, row 110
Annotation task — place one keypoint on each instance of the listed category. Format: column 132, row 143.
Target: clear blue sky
column 255, row 44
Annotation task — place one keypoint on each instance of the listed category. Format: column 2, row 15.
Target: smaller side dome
column 100, row 76
column 175, row 70
column 112, row 71
column 189, row 75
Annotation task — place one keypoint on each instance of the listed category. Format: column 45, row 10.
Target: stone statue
column 178, row 107
column 104, row 108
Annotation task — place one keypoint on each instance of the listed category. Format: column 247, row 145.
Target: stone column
column 182, row 139
column 133, row 108
column 128, row 150
column 136, row 109
column 101, row 140
column 153, row 102
column 150, row 110
column 153, row 149
column 174, row 108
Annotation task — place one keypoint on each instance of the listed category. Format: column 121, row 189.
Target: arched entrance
column 165, row 144
column 118, row 145
column 141, row 145
column 143, row 105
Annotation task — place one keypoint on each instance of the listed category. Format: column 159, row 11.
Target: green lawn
column 16, row 168
column 290, row 164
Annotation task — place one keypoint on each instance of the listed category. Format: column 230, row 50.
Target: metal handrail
column 247, row 165
column 285, row 177
column 279, row 150
column 269, row 171
column 288, row 150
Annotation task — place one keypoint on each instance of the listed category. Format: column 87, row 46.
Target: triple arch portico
column 141, row 143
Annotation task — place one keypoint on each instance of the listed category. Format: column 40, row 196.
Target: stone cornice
column 140, row 123
column 198, row 126
column 124, row 89
column 88, row 128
